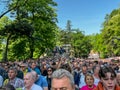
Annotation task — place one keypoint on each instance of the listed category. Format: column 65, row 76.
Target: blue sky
column 87, row 15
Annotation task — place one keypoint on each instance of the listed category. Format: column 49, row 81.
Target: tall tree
column 5, row 37
column 108, row 45
column 41, row 17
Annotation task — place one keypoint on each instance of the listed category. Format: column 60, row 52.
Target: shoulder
column 36, row 87
column 1, row 77
column 98, row 87
column 43, row 80
column 6, row 81
column 19, row 80
column 117, row 88
column 42, row 77
column 84, row 87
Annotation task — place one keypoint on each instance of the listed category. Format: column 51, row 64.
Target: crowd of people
column 59, row 73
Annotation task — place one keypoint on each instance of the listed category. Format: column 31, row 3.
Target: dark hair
column 84, row 65
column 105, row 69
column 94, row 68
column 96, row 62
column 50, row 68
column 66, row 67
column 14, row 69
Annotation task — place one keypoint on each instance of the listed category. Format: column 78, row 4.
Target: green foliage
column 107, row 42
column 33, row 29
column 80, row 43
column 18, row 50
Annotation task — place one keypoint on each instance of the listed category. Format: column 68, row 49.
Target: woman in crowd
column 49, row 74
column 107, row 79
column 89, row 80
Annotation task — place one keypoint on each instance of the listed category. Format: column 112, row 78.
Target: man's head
column 35, row 74
column 62, row 79
column 84, row 69
column 12, row 72
column 23, row 66
column 107, row 77
column 29, row 80
column 33, row 65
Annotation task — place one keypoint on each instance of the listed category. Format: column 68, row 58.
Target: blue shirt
column 36, row 69
column 41, row 81
column 1, row 81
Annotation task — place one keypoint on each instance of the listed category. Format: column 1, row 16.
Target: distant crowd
column 59, row 73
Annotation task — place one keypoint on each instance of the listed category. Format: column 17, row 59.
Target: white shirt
column 34, row 87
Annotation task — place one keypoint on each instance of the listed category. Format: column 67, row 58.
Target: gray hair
column 32, row 76
column 60, row 73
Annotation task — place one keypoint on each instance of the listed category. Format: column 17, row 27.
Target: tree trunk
column 6, row 49
column 31, row 47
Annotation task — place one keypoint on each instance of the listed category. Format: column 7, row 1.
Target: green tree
column 81, row 44
column 105, row 42
column 4, row 37
column 36, row 22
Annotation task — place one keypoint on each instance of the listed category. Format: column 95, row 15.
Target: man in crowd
column 35, row 68
column 13, row 80
column 40, row 80
column 82, row 75
column 96, row 74
column 62, row 80
column 107, row 77
column 29, row 81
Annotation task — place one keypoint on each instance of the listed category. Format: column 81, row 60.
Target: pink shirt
column 87, row 88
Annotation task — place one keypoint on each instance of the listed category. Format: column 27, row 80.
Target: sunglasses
column 49, row 70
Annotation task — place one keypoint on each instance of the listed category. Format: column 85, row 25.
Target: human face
column 89, row 81
column 49, row 71
column 61, row 84
column 84, row 69
column 33, row 65
column 108, row 82
column 75, row 64
column 97, row 70
column 23, row 68
column 12, row 74
column 28, row 81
